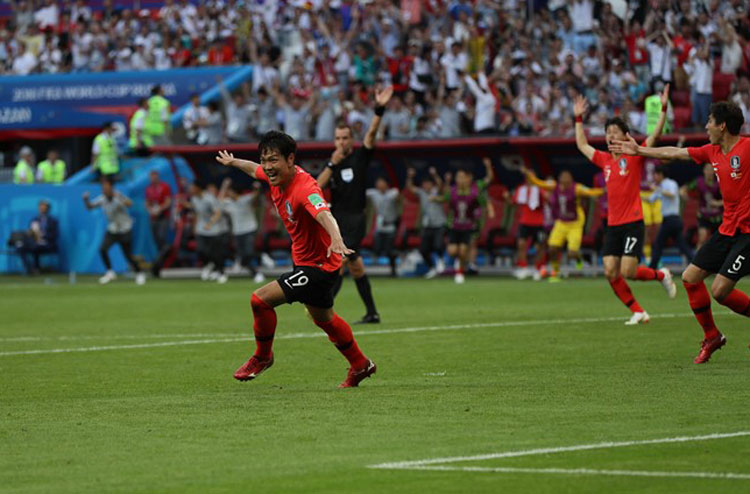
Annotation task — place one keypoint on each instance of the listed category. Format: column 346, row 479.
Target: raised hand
column 338, row 155
column 665, row 97
column 628, row 146
column 225, row 158
column 383, row 95
column 580, row 106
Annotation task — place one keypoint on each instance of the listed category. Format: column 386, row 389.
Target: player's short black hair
column 726, row 112
column 107, row 179
column 155, row 90
column 141, row 101
column 277, row 141
column 618, row 121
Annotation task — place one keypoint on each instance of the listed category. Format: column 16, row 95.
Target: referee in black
column 347, row 174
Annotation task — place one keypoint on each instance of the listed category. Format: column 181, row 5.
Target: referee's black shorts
column 353, row 228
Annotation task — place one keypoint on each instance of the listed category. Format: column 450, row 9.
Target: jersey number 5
column 736, row 265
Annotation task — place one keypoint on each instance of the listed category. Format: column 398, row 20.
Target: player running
column 564, row 200
column 727, row 252
column 317, row 248
column 623, row 241
column 347, row 174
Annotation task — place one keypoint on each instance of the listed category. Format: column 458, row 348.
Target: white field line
column 589, row 471
column 208, row 338
column 292, row 336
column 423, row 464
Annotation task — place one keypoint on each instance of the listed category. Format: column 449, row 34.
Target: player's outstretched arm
column 653, row 138
column 579, row 108
column 227, row 159
column 632, row 148
column 326, row 219
column 544, row 185
column 382, row 97
column 489, row 172
column 583, row 191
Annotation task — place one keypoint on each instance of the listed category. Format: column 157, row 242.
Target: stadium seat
column 680, row 98
column 682, row 117
column 722, row 85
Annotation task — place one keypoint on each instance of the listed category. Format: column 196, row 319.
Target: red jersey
column 733, row 173
column 531, row 200
column 623, row 180
column 158, row 194
column 298, row 203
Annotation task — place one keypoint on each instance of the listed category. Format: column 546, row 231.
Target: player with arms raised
column 727, row 252
column 623, row 240
column 317, row 248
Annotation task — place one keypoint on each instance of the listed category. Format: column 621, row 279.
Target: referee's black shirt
column 349, row 182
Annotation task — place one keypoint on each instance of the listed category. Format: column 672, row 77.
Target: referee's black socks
column 365, row 292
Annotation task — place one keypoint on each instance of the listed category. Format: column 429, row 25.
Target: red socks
column 738, row 302
column 700, row 302
column 622, row 290
column 264, row 327
column 340, row 334
column 648, row 274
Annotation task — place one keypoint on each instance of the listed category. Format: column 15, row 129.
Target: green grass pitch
column 146, row 402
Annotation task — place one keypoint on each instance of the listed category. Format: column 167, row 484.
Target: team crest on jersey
column 347, row 175
column 289, row 211
column 734, row 164
column 623, row 167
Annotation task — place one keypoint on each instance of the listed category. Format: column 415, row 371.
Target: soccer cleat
column 213, row 276
column 206, row 271
column 638, row 318
column 108, row 276
column 521, row 273
column 668, row 283
column 252, row 368
column 708, row 347
column 140, row 278
column 354, row 377
column 370, row 319
column 223, row 278
column 267, row 261
column 259, row 277
column 431, row 274
column 459, row 278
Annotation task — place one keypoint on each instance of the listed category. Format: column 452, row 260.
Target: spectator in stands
column 157, row 118
column 25, row 62
column 484, row 104
column 23, row 173
column 211, row 126
column 158, row 205
column 297, row 114
column 396, row 121
column 242, row 209
column 239, row 112
column 41, row 238
column 385, row 200
column 700, row 70
column 671, row 227
column 51, row 170
column 433, row 218
column 104, row 154
column 192, row 117
column 119, row 228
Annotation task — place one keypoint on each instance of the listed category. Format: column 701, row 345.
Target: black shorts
column 456, row 237
column 727, row 256
column 535, row 233
column 624, row 240
column 353, row 228
column 309, row 285
column 711, row 226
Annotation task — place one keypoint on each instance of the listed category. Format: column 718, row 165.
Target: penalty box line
column 443, row 464
column 294, row 336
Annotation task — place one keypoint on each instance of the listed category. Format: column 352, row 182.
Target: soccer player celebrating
column 727, row 252
column 317, row 248
column 347, row 174
column 568, row 214
column 623, row 240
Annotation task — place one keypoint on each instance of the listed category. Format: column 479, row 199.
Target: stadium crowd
column 459, row 68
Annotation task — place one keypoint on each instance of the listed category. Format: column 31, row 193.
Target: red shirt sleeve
column 702, row 154
column 312, row 199
column 599, row 159
column 261, row 175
